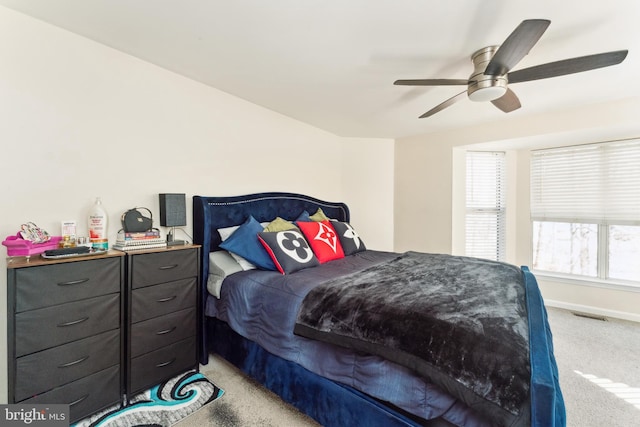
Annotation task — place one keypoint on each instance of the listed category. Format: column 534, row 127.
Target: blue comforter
column 263, row 305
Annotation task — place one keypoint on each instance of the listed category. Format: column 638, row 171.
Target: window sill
column 618, row 285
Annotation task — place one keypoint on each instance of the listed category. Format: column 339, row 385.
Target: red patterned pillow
column 323, row 239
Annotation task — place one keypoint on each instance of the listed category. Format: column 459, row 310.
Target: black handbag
column 133, row 221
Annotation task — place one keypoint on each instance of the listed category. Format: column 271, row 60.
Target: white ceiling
column 332, row 64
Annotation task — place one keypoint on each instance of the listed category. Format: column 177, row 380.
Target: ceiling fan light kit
column 492, row 69
column 482, row 87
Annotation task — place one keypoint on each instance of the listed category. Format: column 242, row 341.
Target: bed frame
column 328, row 402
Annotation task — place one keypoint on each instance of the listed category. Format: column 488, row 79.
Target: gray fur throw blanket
column 460, row 322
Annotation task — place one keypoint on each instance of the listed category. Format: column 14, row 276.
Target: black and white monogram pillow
column 289, row 250
column 350, row 240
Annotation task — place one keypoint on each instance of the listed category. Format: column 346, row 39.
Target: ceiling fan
column 492, row 69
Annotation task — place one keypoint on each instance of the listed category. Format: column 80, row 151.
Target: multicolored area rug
column 162, row 405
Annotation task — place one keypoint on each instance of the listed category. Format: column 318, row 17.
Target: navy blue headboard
column 212, row 213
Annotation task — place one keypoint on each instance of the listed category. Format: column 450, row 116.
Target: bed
column 389, row 363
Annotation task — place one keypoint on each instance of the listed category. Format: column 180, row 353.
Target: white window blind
column 595, row 183
column 485, row 205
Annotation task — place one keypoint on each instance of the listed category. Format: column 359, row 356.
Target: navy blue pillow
column 304, row 217
column 244, row 242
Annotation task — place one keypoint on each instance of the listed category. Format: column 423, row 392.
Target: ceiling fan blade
column 516, row 46
column 431, row 82
column 445, row 104
column 507, row 102
column 568, row 66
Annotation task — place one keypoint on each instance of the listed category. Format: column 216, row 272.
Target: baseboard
column 593, row 310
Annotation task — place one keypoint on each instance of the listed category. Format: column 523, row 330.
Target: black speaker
column 173, row 211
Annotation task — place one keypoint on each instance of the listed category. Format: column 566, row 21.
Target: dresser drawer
column 49, row 285
column 160, row 365
column 161, row 331
column 48, row 327
column 87, row 395
column 159, row 267
column 157, row 300
column 46, row 370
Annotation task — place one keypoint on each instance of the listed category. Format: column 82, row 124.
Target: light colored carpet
column 599, row 364
column 244, row 403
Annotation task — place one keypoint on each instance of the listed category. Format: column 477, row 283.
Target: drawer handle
column 166, row 331
column 73, row 282
column 75, row 402
column 166, row 299
column 73, row 322
column 75, row 362
column 162, row 365
column 168, row 267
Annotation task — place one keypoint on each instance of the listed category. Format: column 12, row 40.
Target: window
column 485, row 205
column 585, row 210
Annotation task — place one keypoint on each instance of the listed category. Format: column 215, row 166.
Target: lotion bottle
column 98, row 226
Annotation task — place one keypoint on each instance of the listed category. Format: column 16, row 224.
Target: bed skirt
column 329, row 403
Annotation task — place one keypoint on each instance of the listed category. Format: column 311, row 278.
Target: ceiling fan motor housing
column 485, row 87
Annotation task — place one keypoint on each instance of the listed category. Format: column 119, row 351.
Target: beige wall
column 367, row 177
column 81, row 120
column 430, row 175
column 423, row 189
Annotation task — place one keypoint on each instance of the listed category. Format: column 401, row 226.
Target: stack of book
column 130, row 241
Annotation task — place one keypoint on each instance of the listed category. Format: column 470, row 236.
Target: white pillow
column 227, row 231
column 221, row 264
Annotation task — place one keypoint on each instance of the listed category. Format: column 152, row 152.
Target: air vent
column 589, row 316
